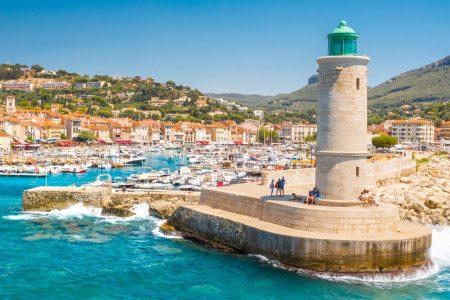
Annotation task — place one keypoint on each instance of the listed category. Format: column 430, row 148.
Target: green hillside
column 427, row 84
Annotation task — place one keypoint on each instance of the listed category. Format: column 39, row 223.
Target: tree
column 384, row 141
column 311, row 137
column 37, row 68
column 86, row 135
column 267, row 136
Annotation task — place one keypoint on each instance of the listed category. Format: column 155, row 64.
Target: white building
column 5, row 144
column 17, row 85
column 55, row 85
column 300, row 131
column 259, row 113
column 414, row 131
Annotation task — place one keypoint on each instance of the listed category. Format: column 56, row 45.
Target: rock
column 424, row 196
column 118, row 210
column 405, row 180
column 434, row 202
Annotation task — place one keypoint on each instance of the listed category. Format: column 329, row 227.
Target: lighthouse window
column 357, row 171
column 357, row 83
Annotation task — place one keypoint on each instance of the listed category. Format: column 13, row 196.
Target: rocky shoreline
column 422, row 197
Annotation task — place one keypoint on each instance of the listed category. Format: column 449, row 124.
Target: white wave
column 22, row 217
column 75, row 211
column 439, row 255
column 141, row 210
column 157, row 232
column 79, row 211
column 440, row 247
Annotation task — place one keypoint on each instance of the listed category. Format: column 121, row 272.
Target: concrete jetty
column 315, row 237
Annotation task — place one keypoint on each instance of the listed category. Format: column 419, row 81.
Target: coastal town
column 27, row 128
column 225, row 150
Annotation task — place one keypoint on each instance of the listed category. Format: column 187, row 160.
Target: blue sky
column 261, row 47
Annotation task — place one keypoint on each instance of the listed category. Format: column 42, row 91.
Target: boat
column 135, row 161
column 105, row 166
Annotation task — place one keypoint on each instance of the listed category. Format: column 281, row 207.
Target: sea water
column 76, row 253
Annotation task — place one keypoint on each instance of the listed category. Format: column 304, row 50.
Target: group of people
column 367, row 198
column 313, row 195
column 277, row 186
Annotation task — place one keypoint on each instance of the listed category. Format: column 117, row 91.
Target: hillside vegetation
column 422, row 92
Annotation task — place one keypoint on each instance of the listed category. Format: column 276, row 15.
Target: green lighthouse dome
column 342, row 40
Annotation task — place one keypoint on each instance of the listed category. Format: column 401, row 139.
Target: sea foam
column 439, row 255
column 79, row 211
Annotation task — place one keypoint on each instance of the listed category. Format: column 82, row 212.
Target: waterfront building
column 5, row 144
column 73, row 127
column 413, row 131
column 219, row 133
column 51, row 130
column 101, row 131
column 14, row 127
column 167, row 131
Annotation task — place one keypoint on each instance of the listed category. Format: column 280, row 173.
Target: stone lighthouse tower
column 341, row 172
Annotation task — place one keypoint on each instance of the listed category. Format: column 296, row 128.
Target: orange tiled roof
column 411, row 121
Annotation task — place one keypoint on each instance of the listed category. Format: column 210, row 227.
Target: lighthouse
column 341, row 151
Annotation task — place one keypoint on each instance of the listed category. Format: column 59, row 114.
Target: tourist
column 272, row 186
column 277, row 187
column 310, row 199
column 364, row 198
column 316, row 192
column 282, row 184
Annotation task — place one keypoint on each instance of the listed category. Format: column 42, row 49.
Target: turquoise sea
column 77, row 254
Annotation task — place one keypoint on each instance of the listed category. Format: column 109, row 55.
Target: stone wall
column 49, row 198
column 314, row 252
column 340, row 220
column 386, row 172
column 379, row 173
column 249, row 206
column 298, row 176
column 161, row 203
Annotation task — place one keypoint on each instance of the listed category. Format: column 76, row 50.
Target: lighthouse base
column 320, row 238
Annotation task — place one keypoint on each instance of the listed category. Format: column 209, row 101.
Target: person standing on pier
column 272, row 186
column 281, row 185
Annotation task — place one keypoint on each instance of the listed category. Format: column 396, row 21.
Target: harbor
column 225, row 150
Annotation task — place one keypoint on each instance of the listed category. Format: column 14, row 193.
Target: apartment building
column 73, row 127
column 17, row 86
column 414, row 131
column 445, row 131
column 55, row 85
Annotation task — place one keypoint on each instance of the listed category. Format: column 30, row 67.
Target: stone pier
column 161, row 203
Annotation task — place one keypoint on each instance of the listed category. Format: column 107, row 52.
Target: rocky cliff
column 422, row 197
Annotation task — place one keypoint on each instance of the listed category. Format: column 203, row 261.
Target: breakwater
column 161, row 203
